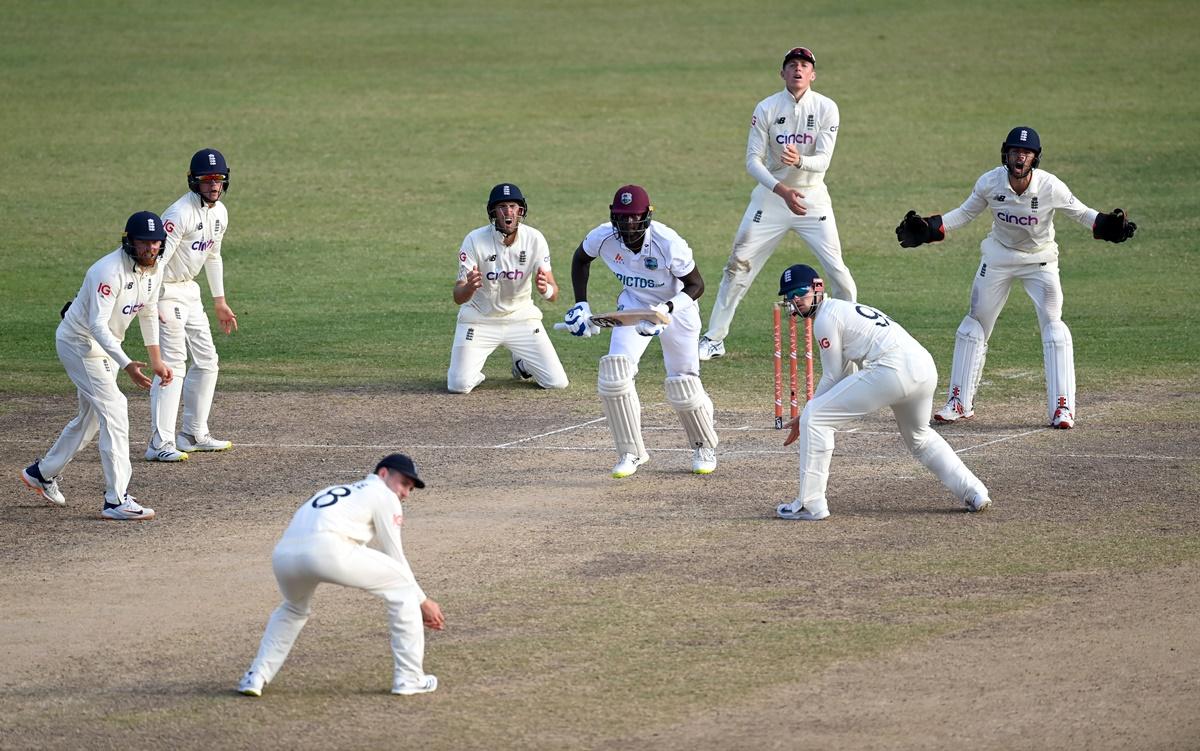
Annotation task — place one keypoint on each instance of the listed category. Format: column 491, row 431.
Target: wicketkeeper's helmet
column 1022, row 137
column 144, row 225
column 207, row 162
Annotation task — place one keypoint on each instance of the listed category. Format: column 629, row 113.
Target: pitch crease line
column 552, row 432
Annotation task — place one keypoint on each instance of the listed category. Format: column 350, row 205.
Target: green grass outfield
column 363, row 138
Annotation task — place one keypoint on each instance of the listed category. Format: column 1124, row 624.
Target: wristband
column 679, row 302
column 549, row 293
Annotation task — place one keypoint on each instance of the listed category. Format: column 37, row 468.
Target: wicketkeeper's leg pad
column 695, row 409
column 970, row 352
column 619, row 399
column 1058, row 350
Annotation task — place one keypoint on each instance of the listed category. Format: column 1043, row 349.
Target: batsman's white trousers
column 525, row 338
column 766, row 221
column 103, row 409
column 679, row 339
column 903, row 379
column 301, row 564
column 184, row 329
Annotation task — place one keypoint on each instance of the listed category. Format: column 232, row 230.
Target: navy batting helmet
column 207, row 162
column 797, row 281
column 1022, row 137
column 506, row 192
column 144, row 225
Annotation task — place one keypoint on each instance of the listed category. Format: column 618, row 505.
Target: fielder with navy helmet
column 868, row 362
column 120, row 287
column 1022, row 199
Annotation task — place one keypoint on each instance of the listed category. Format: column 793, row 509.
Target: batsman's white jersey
column 1020, row 246
column 194, row 234
column 811, row 126
column 651, row 277
column 502, row 311
column 893, row 370
column 115, row 291
column 327, row 542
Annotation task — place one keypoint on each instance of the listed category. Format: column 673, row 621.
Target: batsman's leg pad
column 970, row 352
column 619, row 399
column 1059, row 353
column 695, row 409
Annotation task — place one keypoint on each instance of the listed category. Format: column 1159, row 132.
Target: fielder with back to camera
column 121, row 286
column 656, row 270
column 498, row 266
column 196, row 225
column 1022, row 200
column 893, row 370
column 792, row 135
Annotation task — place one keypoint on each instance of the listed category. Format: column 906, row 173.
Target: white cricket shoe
column 426, row 685
column 952, row 411
column 128, row 510
column 978, row 502
column 189, row 442
column 519, row 372
column 788, row 511
column 251, row 684
column 48, row 489
column 1063, row 419
column 629, row 464
column 710, row 349
column 164, row 453
column 704, row 461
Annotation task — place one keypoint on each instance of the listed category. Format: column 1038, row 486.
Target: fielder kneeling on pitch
column 894, row 371
column 327, row 542
column 655, row 267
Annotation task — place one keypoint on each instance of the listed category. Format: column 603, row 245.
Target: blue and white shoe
column 426, row 685
column 790, row 512
column 251, row 684
column 48, row 489
column 128, row 510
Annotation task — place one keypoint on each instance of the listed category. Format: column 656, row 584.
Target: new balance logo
column 781, row 121
column 999, row 197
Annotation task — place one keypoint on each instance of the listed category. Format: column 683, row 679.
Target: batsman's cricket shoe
column 189, row 442
column 519, row 372
column 128, row 510
column 791, row 512
column 426, row 685
column 1063, row 419
column 710, row 349
column 251, row 684
column 704, row 461
column 164, row 453
column 32, row 476
column 978, row 502
column 629, row 464
column 952, row 411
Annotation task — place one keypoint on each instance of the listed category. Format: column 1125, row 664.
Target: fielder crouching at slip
column 327, row 542
column 894, row 370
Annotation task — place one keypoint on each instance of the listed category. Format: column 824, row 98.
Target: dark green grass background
column 363, row 138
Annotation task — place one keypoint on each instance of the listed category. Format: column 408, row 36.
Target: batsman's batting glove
column 579, row 320
column 913, row 230
column 652, row 328
column 1114, row 227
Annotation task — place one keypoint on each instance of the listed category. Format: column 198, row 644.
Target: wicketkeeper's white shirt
column 508, row 274
column 1023, row 222
column 811, row 125
column 194, row 234
column 650, row 276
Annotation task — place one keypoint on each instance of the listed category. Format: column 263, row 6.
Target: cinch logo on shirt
column 512, row 276
column 203, row 245
column 637, row 281
column 783, row 140
column 1014, row 219
column 131, row 309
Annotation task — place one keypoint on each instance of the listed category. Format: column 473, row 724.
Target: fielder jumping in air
column 792, row 135
column 498, row 266
column 327, row 542
column 121, row 286
column 1022, row 200
column 893, row 370
column 655, row 267
column 196, row 225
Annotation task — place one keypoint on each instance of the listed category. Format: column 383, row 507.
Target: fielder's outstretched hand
column 579, row 320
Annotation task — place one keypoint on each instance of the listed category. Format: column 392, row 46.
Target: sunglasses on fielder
column 217, row 178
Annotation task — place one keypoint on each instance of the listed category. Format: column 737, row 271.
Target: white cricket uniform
column 115, row 290
column 1021, row 247
column 194, row 234
column 651, row 277
column 327, row 542
column 502, row 312
column 811, row 125
column 895, row 371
